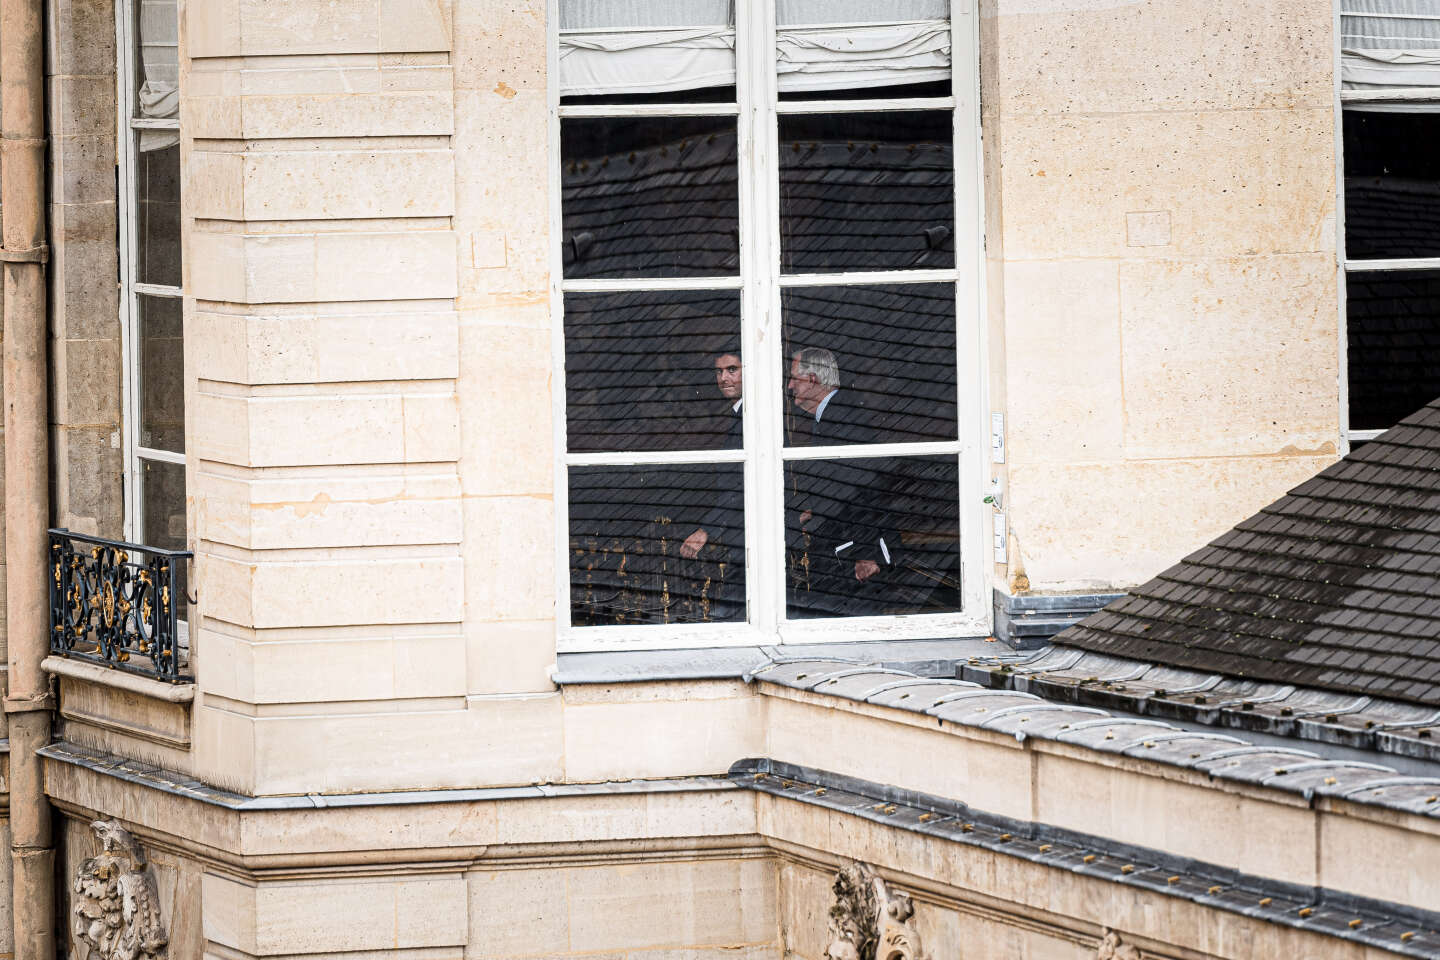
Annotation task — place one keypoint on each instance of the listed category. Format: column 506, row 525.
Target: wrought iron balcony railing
column 116, row 603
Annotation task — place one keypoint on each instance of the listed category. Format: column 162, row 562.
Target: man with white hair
column 835, row 520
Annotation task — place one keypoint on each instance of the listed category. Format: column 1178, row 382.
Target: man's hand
column 805, row 518
column 694, row 543
column 865, row 569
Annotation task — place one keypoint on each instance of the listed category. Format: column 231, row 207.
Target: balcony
column 117, row 604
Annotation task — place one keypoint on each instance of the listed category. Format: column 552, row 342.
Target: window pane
column 652, row 370
column 645, row 51
column 157, row 64
column 650, row 197
column 162, row 374
column 1392, row 189
column 1393, row 335
column 657, row 544
column 877, row 363
column 162, row 488
column 872, row 536
column 867, row 191
column 856, row 45
column 158, row 214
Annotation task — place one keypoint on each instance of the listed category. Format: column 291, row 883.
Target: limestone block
column 88, row 472
column 324, row 184
column 418, row 25
column 221, row 28
column 305, row 268
column 1377, row 860
column 338, row 113
column 498, row 530
column 432, row 427
column 315, row 916
column 518, row 913
column 358, row 590
column 1108, row 526
column 326, row 347
column 660, row 738
column 635, row 905
column 90, row 396
column 82, row 105
column 1234, row 183
column 509, row 657
column 223, row 744
column 507, row 437
column 1272, row 839
column 87, row 44
column 134, row 715
column 310, row 512
column 1230, row 357
column 84, row 238
column 1143, row 56
column 385, row 665
column 1062, row 360
column 500, row 46
column 82, row 169
column 491, row 742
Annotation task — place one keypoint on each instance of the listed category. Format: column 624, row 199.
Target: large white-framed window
column 766, row 286
column 1389, row 241
column 148, row 211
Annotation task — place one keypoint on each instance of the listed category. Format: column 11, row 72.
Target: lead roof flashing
column 1025, row 714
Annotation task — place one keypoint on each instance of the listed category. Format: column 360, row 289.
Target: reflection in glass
column 1392, row 189
column 657, row 544
column 649, row 197
column 652, row 370
column 867, row 191
column 158, row 215
column 846, row 45
column 886, row 351
column 162, row 374
column 162, row 488
column 1393, row 337
column 646, row 51
column 872, row 536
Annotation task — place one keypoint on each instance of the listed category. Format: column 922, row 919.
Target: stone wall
column 1161, row 190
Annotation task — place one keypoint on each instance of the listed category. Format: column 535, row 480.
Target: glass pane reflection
column 867, row 191
column 872, row 536
column 657, row 544
column 162, row 374
column 887, row 352
column 653, row 370
column 158, row 220
column 1393, row 337
column 162, row 488
column 650, row 197
column 1392, row 190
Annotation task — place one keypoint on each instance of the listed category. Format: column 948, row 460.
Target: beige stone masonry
column 324, row 350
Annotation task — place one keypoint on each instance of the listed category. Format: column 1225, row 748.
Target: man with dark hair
column 724, row 524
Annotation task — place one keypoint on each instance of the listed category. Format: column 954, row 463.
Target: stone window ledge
column 119, row 679
column 931, row 658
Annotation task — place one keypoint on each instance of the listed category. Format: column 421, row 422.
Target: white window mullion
column 760, row 313
column 134, row 524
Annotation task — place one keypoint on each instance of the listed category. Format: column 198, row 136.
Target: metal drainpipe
column 27, row 460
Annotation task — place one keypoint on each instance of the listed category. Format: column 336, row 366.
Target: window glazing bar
column 864, row 106
column 649, row 110
column 1375, row 266
column 164, row 456
column 154, row 123
column 948, row 275
column 855, row 451
column 626, row 285
column 157, row 290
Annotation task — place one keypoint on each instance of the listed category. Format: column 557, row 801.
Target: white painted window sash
column 760, row 282
column 135, row 454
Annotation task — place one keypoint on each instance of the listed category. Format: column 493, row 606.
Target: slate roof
column 1336, row 585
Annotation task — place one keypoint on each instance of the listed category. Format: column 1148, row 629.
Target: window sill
column 929, row 658
column 119, row 679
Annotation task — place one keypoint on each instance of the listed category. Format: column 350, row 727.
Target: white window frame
column 757, row 111
column 1345, row 265
column 127, row 125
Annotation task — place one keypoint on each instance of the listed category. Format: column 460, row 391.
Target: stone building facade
column 344, row 381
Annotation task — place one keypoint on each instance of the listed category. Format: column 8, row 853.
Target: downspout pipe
column 27, row 459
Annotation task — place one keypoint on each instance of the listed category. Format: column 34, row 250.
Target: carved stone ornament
column 869, row 921
column 1113, row 948
column 117, row 910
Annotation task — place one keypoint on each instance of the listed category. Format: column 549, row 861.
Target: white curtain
column 1388, row 44
column 159, row 92
column 650, row 46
